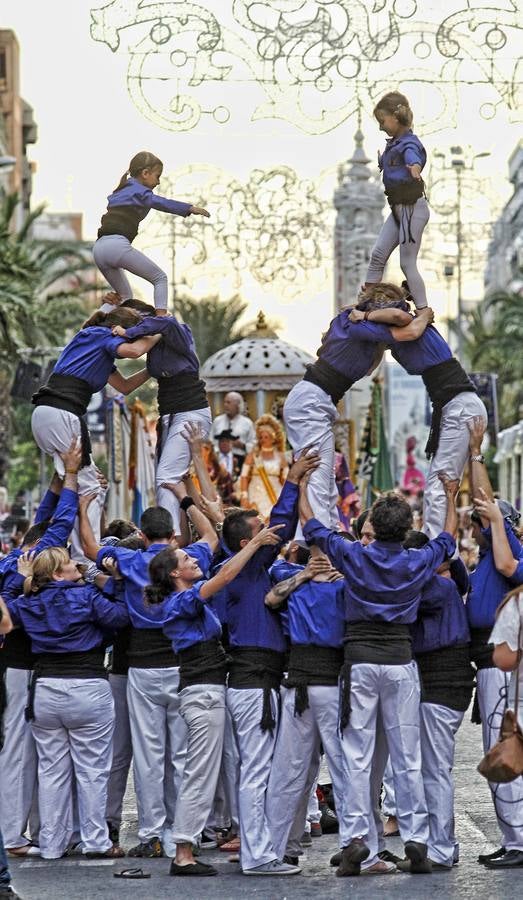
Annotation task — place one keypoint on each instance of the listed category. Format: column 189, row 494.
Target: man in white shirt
column 233, row 420
column 225, row 454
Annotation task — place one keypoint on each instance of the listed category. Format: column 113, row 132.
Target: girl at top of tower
column 401, row 164
column 128, row 204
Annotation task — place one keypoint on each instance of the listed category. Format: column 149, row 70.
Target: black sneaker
column 291, row 860
column 487, row 857
column 387, row 856
column 151, row 849
column 329, row 820
column 351, row 858
column 8, row 893
column 416, row 853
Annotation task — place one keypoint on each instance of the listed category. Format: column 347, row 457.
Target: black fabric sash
column 328, row 379
column 310, row 664
column 381, row 643
column 122, row 220
column 257, row 667
column 405, row 195
column 481, row 655
column 77, row 664
column 16, row 652
column 203, row 663
column 447, row 677
column 181, row 393
column 443, row 382
column 3, row 704
column 149, row 649
column 72, row 395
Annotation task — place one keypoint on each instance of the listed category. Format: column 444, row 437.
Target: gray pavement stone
column 78, row 879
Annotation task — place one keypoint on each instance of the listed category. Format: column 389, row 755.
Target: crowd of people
column 222, row 648
column 244, row 628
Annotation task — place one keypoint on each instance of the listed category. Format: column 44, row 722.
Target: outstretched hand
column 487, row 509
column 193, row 434
column 307, row 462
column 450, row 485
column 73, row 456
column 213, row 509
column 25, row 562
column 268, row 536
column 415, row 171
column 199, row 211
column 477, row 428
column 118, row 331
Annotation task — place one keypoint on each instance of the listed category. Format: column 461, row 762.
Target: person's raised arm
column 200, row 521
column 49, row 501
column 229, row 571
column 194, row 436
column 89, row 544
column 126, row 385
column 281, row 591
column 451, row 488
column 503, row 556
column 479, row 479
column 415, row 328
column 387, row 316
column 138, row 347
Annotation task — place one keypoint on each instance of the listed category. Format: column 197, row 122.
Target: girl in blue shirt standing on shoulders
column 401, row 163
column 129, row 203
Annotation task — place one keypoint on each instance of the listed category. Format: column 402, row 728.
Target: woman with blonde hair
column 70, row 704
column 265, row 469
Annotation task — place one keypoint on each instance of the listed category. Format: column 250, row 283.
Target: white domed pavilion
column 261, row 367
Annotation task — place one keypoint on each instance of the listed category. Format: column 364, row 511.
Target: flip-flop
column 132, row 873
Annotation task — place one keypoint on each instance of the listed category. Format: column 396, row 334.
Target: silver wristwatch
column 480, row 458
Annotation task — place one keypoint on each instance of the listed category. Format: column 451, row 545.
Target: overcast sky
column 89, row 127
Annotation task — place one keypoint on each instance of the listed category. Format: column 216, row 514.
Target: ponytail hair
column 162, row 583
column 126, row 318
column 395, row 104
column 143, row 160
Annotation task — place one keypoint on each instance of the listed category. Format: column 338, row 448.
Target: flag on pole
column 374, row 472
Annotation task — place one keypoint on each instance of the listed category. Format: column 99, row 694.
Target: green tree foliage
column 213, row 322
column 493, row 342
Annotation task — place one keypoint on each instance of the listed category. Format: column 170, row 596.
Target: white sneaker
column 275, row 867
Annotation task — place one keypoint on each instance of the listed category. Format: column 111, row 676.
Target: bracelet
column 71, row 471
column 186, row 503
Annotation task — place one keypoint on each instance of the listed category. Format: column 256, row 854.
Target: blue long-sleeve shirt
column 383, row 581
column 56, row 535
column 136, row 194
column 175, row 354
column 349, row 347
column 400, row 152
column 314, row 612
column 415, row 356
column 66, row 616
column 186, row 619
column 250, row 622
column 90, row 356
column 133, row 566
column 487, row 585
column 442, row 619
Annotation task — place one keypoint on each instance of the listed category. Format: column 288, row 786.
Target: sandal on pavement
column 232, row 846
column 132, row 873
column 112, row 853
column 195, row 868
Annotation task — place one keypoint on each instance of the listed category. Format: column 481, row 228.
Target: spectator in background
column 234, row 419
column 225, row 456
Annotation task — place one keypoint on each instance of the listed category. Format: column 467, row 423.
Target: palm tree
column 38, row 300
column 493, row 342
column 213, row 322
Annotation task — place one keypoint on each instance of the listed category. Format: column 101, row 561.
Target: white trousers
column 295, row 766
column 492, row 687
column 389, row 803
column 450, row 457
column 114, row 253
column 439, row 726
column 225, row 807
column 395, row 691
column 255, row 748
column 18, row 764
column 202, row 707
column 313, row 806
column 122, row 751
column 175, row 456
column 73, row 729
column 157, row 729
column 390, row 236
column 53, row 431
column 309, row 415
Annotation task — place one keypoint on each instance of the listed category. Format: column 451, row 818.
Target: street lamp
column 458, row 165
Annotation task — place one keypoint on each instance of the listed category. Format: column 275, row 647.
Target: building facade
column 17, row 127
column 504, row 269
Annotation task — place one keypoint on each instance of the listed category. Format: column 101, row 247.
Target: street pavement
column 79, row 879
